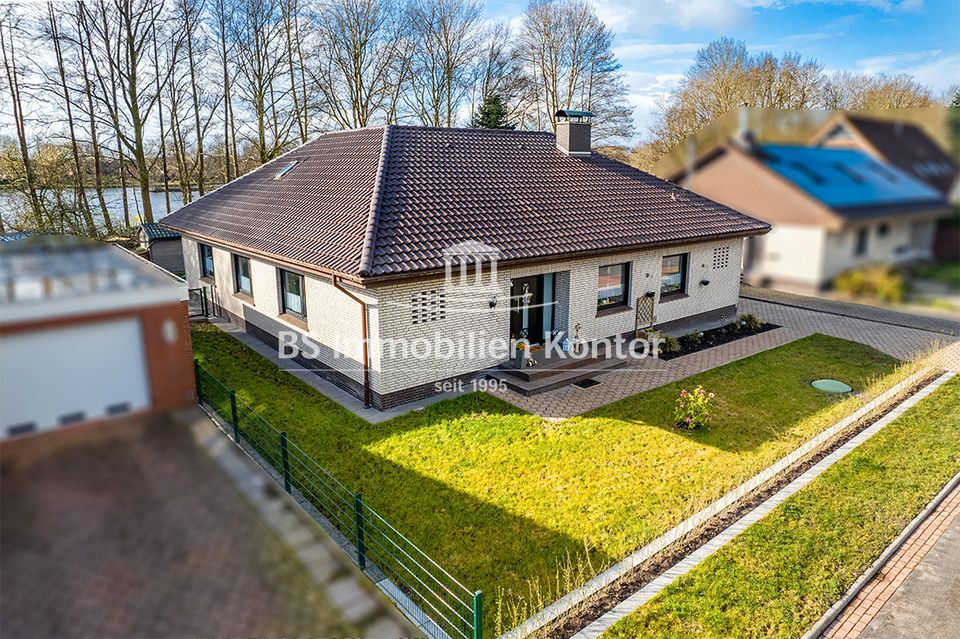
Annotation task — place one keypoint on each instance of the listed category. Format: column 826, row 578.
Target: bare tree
column 221, row 18
column 570, row 63
column 447, row 39
column 359, row 62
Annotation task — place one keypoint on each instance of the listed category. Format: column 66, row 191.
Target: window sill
column 243, row 297
column 672, row 297
column 295, row 321
column 613, row 310
column 208, row 279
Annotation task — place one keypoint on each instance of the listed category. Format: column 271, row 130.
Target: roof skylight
column 286, row 169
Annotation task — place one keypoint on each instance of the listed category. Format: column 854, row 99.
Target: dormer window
column 286, row 169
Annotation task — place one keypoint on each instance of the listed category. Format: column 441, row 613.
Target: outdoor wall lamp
column 493, row 302
column 650, row 294
column 704, row 282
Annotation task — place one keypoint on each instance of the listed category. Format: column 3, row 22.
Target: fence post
column 478, row 614
column 286, row 462
column 233, row 415
column 196, row 375
column 361, row 541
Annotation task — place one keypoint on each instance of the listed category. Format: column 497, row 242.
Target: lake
column 11, row 202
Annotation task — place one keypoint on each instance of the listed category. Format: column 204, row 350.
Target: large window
column 292, row 296
column 241, row 275
column 673, row 277
column 612, row 285
column 860, row 247
column 206, row 260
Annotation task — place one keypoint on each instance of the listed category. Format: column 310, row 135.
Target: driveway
column 131, row 528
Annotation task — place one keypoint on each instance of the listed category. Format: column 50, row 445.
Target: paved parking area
column 917, row 592
column 639, row 375
column 132, row 529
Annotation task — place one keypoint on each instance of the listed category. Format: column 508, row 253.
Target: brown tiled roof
column 907, row 147
column 376, row 202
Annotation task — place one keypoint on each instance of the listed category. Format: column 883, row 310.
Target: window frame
column 624, row 287
column 861, row 242
column 684, row 272
column 237, row 288
column 284, row 309
column 203, row 262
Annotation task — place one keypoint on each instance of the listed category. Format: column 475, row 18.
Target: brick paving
column 130, row 529
column 639, row 375
column 861, row 612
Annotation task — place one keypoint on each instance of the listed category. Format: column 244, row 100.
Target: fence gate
column 197, row 303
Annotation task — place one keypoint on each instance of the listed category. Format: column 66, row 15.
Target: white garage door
column 56, row 377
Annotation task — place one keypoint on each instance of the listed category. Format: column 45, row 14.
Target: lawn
column 784, row 572
column 501, row 498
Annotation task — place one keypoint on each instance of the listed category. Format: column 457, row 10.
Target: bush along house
column 425, row 240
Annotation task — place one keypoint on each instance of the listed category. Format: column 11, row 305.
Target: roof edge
column 373, row 216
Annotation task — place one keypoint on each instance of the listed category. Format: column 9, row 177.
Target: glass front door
column 531, row 307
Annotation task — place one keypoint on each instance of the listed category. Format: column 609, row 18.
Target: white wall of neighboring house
column 888, row 242
column 789, row 253
column 60, row 373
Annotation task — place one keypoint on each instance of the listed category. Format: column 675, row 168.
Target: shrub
column 750, row 322
column 879, row 282
column 668, row 344
column 693, row 409
column 691, row 340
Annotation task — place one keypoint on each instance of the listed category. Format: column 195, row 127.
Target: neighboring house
column 87, row 331
column 379, row 232
column 163, row 247
column 901, row 144
column 832, row 209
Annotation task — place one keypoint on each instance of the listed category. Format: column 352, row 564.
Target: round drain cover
column 831, row 386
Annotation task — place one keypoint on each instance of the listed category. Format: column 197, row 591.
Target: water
column 12, row 202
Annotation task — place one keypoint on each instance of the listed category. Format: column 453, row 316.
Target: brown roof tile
column 438, row 187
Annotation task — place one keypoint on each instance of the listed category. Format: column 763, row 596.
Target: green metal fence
column 449, row 606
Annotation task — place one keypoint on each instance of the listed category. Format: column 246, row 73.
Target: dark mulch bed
column 716, row 337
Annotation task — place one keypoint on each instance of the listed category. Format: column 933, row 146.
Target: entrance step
column 555, row 377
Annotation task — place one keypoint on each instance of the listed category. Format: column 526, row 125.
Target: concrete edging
column 567, row 602
column 694, row 559
column 830, row 616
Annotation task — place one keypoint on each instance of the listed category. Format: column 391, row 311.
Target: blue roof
column 846, row 178
column 154, row 231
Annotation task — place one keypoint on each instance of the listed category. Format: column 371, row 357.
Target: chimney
column 573, row 131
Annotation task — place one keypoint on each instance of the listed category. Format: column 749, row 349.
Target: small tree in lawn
column 492, row 114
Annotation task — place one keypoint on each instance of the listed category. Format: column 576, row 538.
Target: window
column 883, row 230
column 292, row 294
column 673, row 277
column 612, row 285
column 206, row 260
column 863, row 236
column 428, row 306
column 721, row 257
column 241, row 274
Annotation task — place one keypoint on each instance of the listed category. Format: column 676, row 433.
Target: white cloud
column 931, row 67
column 644, row 50
column 644, row 16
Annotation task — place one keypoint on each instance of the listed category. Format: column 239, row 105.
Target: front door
column 526, row 308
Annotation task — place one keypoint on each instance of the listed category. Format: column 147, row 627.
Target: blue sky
column 656, row 39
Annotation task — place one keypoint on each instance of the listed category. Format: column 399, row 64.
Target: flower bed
column 713, row 337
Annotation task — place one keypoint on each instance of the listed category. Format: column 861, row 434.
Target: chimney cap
column 569, row 113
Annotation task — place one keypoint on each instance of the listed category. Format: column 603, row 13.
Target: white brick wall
column 333, row 318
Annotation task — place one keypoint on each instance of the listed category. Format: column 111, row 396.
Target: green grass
column 946, row 272
column 784, row 572
column 501, row 498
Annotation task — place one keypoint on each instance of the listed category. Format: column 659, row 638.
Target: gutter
column 363, row 333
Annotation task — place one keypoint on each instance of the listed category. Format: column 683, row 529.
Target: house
column 88, row 331
column 373, row 246
column 907, row 147
column 894, row 142
column 832, row 209
column 163, row 247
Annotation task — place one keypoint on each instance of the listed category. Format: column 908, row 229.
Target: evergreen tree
column 492, row 114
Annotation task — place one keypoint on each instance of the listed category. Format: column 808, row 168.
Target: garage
column 59, row 375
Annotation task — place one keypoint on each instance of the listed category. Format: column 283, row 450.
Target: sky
column 656, row 39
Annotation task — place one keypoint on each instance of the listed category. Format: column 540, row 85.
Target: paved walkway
column 129, row 529
column 901, row 342
column 944, row 324
column 917, row 592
